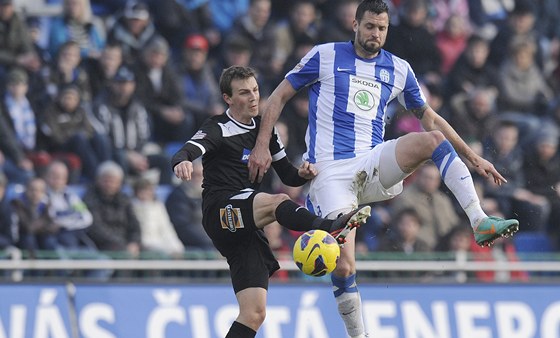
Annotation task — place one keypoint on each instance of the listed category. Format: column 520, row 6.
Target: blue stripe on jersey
column 384, row 72
column 313, row 94
column 344, row 136
column 305, row 72
column 412, row 97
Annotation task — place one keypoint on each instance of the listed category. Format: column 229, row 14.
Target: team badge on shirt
column 384, row 76
column 199, row 135
column 231, row 218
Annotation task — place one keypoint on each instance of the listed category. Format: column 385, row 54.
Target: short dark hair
column 374, row 6
column 234, row 73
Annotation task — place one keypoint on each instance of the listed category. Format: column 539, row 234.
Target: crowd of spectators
column 102, row 94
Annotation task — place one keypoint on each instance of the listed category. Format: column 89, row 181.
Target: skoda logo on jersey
column 245, row 156
column 384, row 76
column 364, row 100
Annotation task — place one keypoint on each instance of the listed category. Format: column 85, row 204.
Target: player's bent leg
column 413, row 149
column 264, row 207
column 252, row 312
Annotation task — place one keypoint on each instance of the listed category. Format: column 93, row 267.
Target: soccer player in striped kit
column 350, row 86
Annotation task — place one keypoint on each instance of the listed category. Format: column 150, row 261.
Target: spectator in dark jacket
column 542, row 173
column 184, row 206
column 37, row 230
column 7, row 226
column 125, row 119
column 16, row 48
column 68, row 129
column 13, row 161
column 133, row 30
column 115, row 226
column 159, row 90
column 412, row 41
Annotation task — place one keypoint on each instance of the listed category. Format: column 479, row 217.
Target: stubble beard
column 370, row 47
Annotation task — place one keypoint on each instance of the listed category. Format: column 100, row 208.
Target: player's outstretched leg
column 342, row 226
column 457, row 178
column 492, row 228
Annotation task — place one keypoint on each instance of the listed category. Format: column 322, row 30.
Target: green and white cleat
column 492, row 228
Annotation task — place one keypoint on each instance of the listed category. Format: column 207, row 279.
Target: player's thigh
column 333, row 188
column 385, row 178
column 413, row 149
column 264, row 208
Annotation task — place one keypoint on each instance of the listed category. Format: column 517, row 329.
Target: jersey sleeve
column 276, row 147
column 206, row 139
column 412, row 96
column 306, row 71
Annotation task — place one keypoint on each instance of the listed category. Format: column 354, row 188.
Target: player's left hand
column 486, row 169
column 307, row 170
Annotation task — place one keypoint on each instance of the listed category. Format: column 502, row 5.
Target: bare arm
column 260, row 158
column 433, row 121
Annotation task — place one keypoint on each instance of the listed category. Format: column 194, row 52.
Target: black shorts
column 228, row 221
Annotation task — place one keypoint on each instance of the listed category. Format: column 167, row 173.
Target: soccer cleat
column 342, row 226
column 492, row 228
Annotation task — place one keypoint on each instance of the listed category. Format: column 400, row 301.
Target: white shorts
column 345, row 184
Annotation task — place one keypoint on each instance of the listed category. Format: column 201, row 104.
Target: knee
column 435, row 138
column 345, row 268
column 254, row 317
column 279, row 198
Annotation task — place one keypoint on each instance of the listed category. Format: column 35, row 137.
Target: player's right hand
column 307, row 170
column 184, row 170
column 259, row 162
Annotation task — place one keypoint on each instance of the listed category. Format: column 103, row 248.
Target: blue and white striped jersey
column 348, row 98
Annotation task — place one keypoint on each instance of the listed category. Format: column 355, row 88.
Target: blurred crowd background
column 97, row 95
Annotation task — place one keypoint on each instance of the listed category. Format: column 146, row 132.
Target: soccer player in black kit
column 234, row 211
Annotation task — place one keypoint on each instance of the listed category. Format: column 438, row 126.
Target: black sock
column 295, row 217
column 238, row 330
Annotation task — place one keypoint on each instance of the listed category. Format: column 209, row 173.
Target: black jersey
column 225, row 145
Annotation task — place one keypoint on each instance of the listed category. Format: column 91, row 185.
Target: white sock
column 458, row 179
column 349, row 304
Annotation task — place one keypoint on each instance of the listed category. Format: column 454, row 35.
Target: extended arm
column 260, row 158
column 433, row 121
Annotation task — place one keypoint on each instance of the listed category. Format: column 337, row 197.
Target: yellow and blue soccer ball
column 316, row 253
